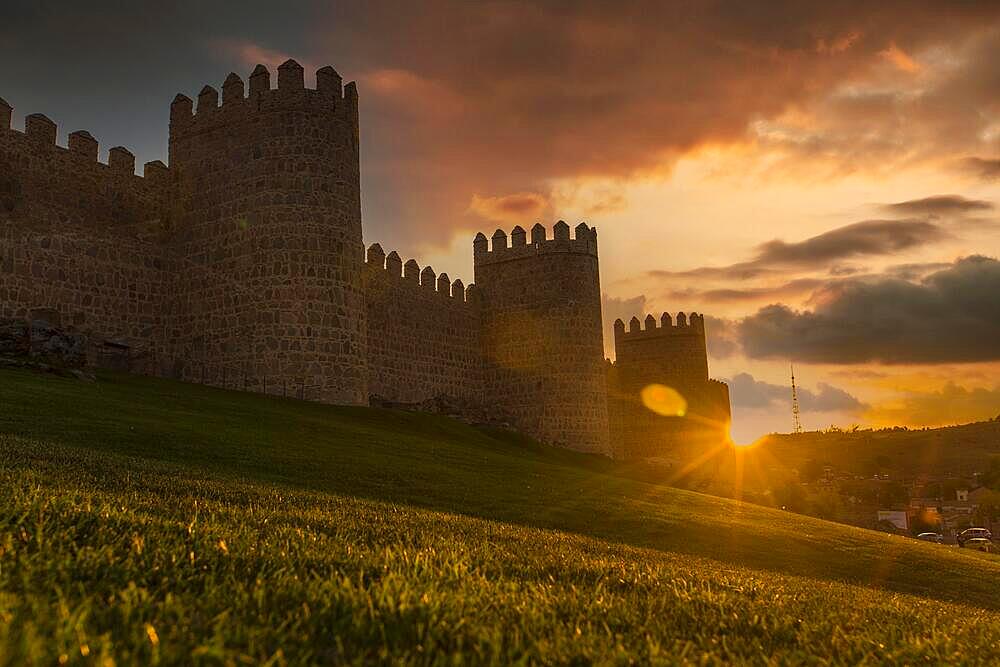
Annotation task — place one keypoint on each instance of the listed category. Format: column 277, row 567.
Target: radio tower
column 796, row 422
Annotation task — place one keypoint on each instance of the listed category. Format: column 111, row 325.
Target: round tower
column 540, row 303
column 266, row 224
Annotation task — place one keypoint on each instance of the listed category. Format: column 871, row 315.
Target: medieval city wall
column 42, row 183
column 107, row 288
column 270, row 233
column 541, row 333
column 667, row 353
column 77, row 236
column 423, row 333
column 241, row 265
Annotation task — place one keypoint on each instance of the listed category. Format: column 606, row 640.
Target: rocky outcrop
column 39, row 345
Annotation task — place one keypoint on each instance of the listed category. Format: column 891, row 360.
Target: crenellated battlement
column 410, row 274
column 82, row 149
column 247, row 253
column 48, row 184
column 239, row 100
column 693, row 324
column 499, row 249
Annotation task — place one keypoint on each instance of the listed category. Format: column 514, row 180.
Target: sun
column 740, row 444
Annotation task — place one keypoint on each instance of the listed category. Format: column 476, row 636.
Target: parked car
column 979, row 544
column 974, row 534
column 936, row 538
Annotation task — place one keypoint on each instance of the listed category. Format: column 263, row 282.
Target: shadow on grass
column 441, row 464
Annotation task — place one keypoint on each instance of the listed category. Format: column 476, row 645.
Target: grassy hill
column 150, row 522
column 956, row 450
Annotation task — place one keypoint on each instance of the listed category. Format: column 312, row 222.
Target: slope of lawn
column 149, row 521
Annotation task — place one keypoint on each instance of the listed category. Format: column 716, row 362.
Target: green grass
column 147, row 521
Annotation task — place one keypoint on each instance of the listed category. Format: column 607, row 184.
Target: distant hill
column 953, row 450
column 146, row 521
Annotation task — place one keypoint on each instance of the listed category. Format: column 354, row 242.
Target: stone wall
column 664, row 352
column 542, row 336
column 423, row 336
column 674, row 355
column 242, row 265
column 106, row 287
column 78, row 237
column 42, row 184
column 270, row 232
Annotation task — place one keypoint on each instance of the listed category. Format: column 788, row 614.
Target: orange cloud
column 471, row 98
column 838, row 44
column 900, row 59
column 515, row 208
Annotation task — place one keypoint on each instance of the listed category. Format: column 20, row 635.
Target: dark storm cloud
column 747, row 392
column 866, row 238
column 951, row 315
column 940, row 206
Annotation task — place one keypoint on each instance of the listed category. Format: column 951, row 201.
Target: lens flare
column 740, row 444
column 664, row 400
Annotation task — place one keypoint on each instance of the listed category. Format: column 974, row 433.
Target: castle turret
column 675, row 356
column 270, row 227
column 541, row 334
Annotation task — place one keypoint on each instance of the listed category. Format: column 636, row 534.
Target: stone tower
column 268, row 226
column 674, row 354
column 241, row 266
column 541, row 337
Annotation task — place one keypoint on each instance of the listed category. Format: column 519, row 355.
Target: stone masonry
column 242, row 262
column 668, row 353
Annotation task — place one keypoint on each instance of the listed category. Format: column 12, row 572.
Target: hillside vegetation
column 956, row 450
column 147, row 521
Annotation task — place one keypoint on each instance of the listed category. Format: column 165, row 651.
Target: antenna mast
column 796, row 422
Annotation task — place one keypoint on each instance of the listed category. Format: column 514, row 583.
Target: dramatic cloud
column 866, row 238
column 492, row 98
column 871, row 237
column 552, row 91
column 952, row 315
column 941, row 206
column 747, row 392
column 953, row 404
column 938, row 111
column 516, row 208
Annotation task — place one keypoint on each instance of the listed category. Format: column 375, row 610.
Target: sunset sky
column 822, row 180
